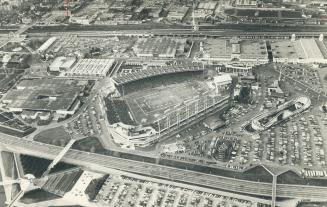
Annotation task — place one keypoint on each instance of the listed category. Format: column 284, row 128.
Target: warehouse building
column 45, row 46
column 299, row 51
column 91, row 68
column 60, row 96
column 62, row 64
column 234, row 50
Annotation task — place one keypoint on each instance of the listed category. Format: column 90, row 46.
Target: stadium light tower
column 66, row 5
column 195, row 26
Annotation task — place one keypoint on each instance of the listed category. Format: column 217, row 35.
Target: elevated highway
column 105, row 163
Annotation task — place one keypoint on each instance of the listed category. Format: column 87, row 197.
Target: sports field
column 148, row 105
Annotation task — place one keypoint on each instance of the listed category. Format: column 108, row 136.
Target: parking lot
column 303, row 73
column 87, row 123
column 108, row 47
column 119, row 190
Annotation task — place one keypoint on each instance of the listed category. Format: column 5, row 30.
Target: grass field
column 56, row 136
column 147, row 105
column 37, row 195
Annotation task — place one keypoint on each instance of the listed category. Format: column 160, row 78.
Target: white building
column 234, row 50
column 62, row 64
column 133, row 135
column 91, row 68
column 45, row 46
column 220, row 81
column 299, row 51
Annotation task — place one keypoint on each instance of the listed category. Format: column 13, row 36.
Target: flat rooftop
column 218, row 48
column 91, row 67
column 246, row 49
column 299, row 49
column 44, row 94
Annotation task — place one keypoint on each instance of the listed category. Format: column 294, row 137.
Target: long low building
column 45, row 46
column 91, row 68
column 45, row 95
column 299, row 51
column 234, row 50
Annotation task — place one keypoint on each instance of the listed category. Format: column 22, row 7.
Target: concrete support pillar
column 293, row 37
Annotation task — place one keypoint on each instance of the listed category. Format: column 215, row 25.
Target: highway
column 105, row 163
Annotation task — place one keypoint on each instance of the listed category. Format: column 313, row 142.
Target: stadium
column 155, row 103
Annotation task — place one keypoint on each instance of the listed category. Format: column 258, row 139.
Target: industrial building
column 299, row 51
column 91, row 68
column 62, row 64
column 177, row 13
column 252, row 52
column 45, row 46
column 58, row 96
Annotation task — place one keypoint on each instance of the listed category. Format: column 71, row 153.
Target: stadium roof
column 124, row 78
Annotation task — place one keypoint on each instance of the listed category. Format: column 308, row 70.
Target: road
column 181, row 32
column 250, row 27
column 105, row 163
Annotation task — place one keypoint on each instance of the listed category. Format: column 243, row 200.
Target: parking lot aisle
column 115, row 198
column 190, row 198
column 311, row 127
column 141, row 192
column 323, row 128
column 301, row 143
column 177, row 198
column 153, row 197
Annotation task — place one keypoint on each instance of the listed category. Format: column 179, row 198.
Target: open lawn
column 56, row 136
column 147, row 105
column 37, row 195
column 90, row 144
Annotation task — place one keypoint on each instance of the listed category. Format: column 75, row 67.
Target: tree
column 245, row 95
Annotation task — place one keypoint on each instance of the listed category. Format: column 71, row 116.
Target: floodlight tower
column 66, row 5
column 195, row 26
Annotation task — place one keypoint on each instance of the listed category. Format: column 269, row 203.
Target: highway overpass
column 105, row 163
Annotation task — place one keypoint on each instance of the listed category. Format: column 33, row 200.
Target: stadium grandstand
column 124, row 78
column 161, row 105
column 119, row 111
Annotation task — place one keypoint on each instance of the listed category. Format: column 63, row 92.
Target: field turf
column 148, row 105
